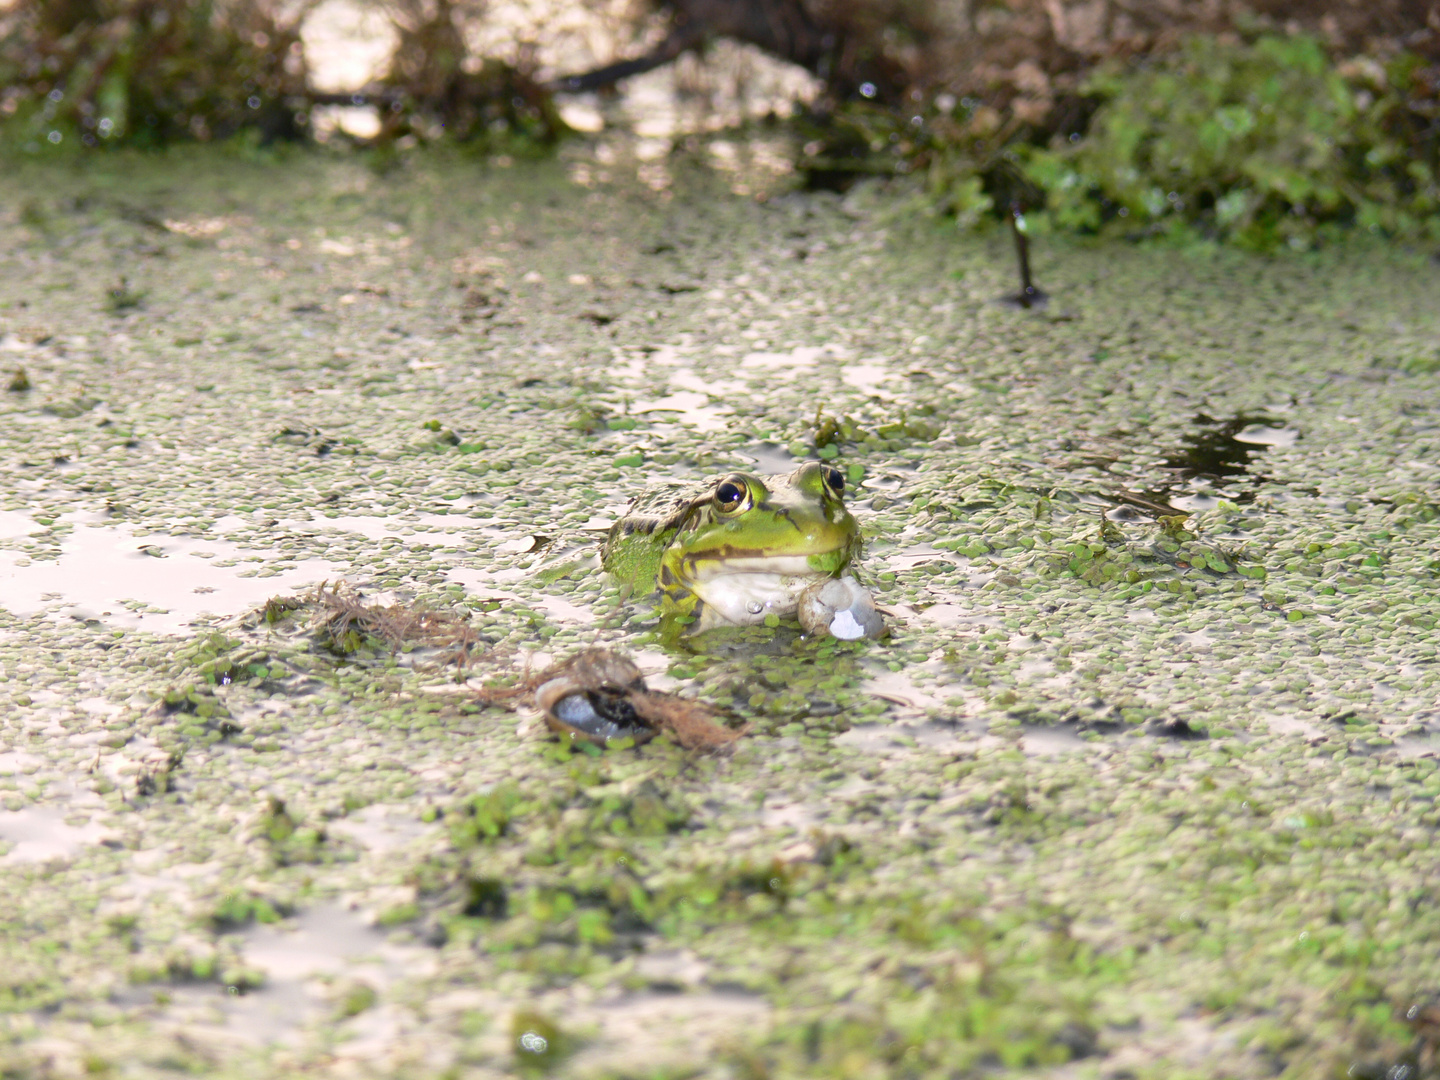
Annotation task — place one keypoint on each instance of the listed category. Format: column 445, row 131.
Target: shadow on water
column 1227, row 447
column 1218, row 456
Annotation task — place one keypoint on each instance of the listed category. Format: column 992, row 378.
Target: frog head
column 749, row 545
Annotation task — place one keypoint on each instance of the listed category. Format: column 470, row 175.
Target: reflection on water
column 650, row 1034
column 14, row 524
column 480, row 584
column 330, row 939
column 1195, row 504
column 694, row 408
column 767, row 458
column 1269, row 433
column 1225, row 448
column 382, row 827
column 868, row 378
column 152, row 582
column 772, row 366
column 941, row 739
column 413, row 529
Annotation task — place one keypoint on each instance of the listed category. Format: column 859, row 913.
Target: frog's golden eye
column 730, row 495
column 834, row 480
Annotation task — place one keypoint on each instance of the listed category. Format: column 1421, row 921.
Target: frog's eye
column 730, row 496
column 834, row 480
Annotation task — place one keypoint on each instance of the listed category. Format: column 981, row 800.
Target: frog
column 742, row 549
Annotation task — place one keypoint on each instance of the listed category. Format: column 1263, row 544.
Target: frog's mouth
column 744, row 589
column 706, row 569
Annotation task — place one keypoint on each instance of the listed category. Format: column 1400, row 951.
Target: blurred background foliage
column 88, row 73
column 1261, row 142
column 1272, row 122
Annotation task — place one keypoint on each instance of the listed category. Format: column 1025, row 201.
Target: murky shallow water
column 41, row 833
column 128, row 578
column 335, row 742
column 309, row 962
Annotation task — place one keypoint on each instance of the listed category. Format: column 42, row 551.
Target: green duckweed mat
column 1127, row 793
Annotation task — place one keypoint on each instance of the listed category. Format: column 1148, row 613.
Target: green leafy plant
column 1266, row 143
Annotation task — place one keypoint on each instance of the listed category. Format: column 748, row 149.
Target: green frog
column 735, row 549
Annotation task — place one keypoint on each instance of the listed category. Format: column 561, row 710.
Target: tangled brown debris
column 344, row 623
column 345, row 617
column 599, row 697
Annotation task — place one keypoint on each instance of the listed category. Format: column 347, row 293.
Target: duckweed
column 1061, row 819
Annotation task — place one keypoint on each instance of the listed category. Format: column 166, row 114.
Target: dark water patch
column 1175, row 728
column 1068, row 734
column 1218, row 456
column 1227, row 447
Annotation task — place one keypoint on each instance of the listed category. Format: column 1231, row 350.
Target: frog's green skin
column 734, row 549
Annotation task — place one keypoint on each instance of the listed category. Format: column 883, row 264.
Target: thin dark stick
column 1029, row 294
column 680, row 40
column 378, row 97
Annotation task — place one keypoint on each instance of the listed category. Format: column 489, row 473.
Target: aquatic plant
column 1263, row 143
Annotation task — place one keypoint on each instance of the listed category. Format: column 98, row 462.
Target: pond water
column 134, row 579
